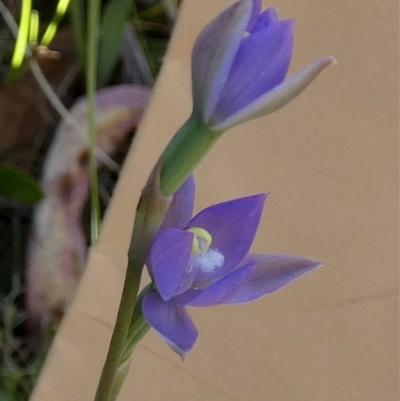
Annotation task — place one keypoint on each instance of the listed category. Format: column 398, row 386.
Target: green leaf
column 113, row 23
column 77, row 17
column 18, row 185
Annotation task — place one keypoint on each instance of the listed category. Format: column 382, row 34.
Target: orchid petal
column 171, row 321
column 181, row 208
column 270, row 52
column 272, row 272
column 232, row 225
column 255, row 13
column 266, row 19
column 213, row 54
column 277, row 97
column 221, row 291
column 168, row 259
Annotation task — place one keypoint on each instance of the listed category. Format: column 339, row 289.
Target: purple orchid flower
column 204, row 261
column 239, row 65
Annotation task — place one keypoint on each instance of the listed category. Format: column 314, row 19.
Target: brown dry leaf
column 57, row 249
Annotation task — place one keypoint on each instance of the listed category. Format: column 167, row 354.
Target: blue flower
column 204, row 261
column 239, row 65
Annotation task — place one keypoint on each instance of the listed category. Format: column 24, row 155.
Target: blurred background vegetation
column 45, row 42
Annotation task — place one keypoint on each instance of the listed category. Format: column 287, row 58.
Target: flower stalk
column 91, row 78
column 239, row 66
column 185, row 151
column 187, row 148
column 149, row 215
column 107, row 382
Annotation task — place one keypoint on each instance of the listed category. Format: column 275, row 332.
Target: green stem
column 91, row 79
column 123, row 368
column 120, row 377
column 119, row 336
column 143, row 231
column 139, row 326
column 185, row 151
column 138, row 329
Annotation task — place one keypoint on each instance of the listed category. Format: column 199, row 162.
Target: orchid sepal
column 277, row 97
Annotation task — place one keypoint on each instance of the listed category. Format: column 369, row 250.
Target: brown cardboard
column 330, row 160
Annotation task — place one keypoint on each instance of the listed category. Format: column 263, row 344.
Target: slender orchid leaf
column 112, row 28
column 77, row 16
